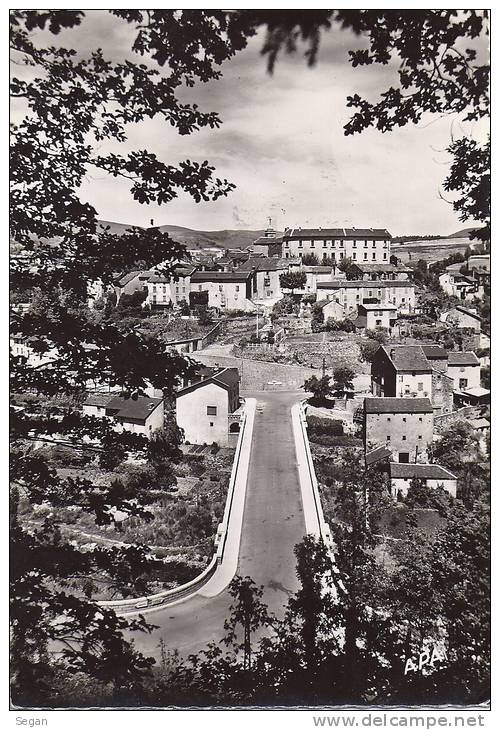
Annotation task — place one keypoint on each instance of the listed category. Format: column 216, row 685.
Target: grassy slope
column 199, row 239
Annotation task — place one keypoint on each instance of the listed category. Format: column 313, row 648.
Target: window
column 357, row 297
column 354, row 255
column 300, row 244
column 462, row 383
column 237, row 287
column 404, row 419
column 211, row 423
column 312, row 244
column 420, row 386
column 404, row 438
column 373, row 244
column 388, row 438
column 354, row 244
column 374, row 255
column 385, row 254
column 220, row 287
column 366, row 244
column 211, row 410
column 286, row 244
column 324, row 244
column 388, row 418
column 420, row 419
column 420, row 438
column 342, row 244
column 378, row 322
column 365, row 255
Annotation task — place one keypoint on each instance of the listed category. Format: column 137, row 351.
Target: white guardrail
column 180, row 593
column 313, row 511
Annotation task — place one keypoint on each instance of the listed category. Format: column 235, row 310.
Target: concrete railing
column 180, row 593
column 313, row 511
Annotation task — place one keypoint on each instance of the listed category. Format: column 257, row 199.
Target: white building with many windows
column 362, row 245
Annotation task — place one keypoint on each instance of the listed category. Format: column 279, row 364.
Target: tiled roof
column 98, row 399
column 408, row 357
column 137, row 408
column 372, row 457
column 263, row 264
column 385, row 268
column 124, row 279
column 338, row 233
column 362, row 284
column 262, row 240
column 398, row 405
column 206, row 276
column 225, row 377
column 420, row 471
column 462, row 358
column 434, row 352
column 317, row 269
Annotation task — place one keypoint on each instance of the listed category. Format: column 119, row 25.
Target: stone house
column 206, row 407
column 461, row 317
column 465, row 369
column 352, row 293
column 403, row 425
column 226, row 290
column 432, row 475
column 140, row 415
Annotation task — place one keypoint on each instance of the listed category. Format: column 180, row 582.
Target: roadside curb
column 313, row 511
column 223, row 565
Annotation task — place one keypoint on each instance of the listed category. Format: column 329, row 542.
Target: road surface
column 273, row 523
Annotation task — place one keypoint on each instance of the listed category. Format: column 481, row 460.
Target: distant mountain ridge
column 198, row 239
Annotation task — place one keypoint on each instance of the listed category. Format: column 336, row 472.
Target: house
column 269, row 244
column 403, row 425
column 366, row 245
column 432, row 475
column 267, row 274
column 472, row 397
column 401, row 371
column 479, row 262
column 459, row 285
column 372, row 316
column 226, row 290
column 460, row 317
column 465, row 369
column 207, row 405
column 382, row 272
column 164, row 291
column 378, row 456
column 352, row 293
column 131, row 282
column 141, row 414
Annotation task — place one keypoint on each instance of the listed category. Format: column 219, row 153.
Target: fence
column 174, row 595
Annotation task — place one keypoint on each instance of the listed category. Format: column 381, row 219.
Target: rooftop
column 372, row 457
column 225, row 377
column 265, row 263
column 362, row 284
column 338, row 233
column 398, row 405
column 385, row 268
column 375, row 307
column 420, row 471
column 462, row 358
column 408, row 357
column 472, row 314
column 228, row 276
column 138, row 407
column 434, row 352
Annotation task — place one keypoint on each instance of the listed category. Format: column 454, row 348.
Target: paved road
column 273, row 522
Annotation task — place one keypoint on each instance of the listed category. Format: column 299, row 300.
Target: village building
column 208, row 406
column 401, row 371
column 131, row 282
column 432, row 475
column 472, row 397
column 479, row 262
column 402, row 425
column 141, row 414
column 382, row 272
column 371, row 316
column 349, row 294
column 226, row 290
column 365, row 245
column 269, row 244
column 166, row 291
column 267, row 275
column 462, row 318
column 465, row 369
column 456, row 284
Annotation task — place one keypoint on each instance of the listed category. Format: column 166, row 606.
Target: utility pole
column 323, row 368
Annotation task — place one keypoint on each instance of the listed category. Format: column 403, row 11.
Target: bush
column 368, row 349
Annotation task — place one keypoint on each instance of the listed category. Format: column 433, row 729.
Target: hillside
column 198, row 239
column 464, row 233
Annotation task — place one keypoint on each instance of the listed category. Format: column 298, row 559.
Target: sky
column 282, row 144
